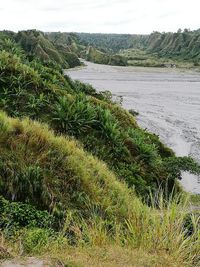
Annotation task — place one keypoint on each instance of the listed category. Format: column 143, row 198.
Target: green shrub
column 16, row 215
column 73, row 117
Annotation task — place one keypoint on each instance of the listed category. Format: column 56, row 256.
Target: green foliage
column 165, row 227
column 72, row 59
column 176, row 165
column 147, row 151
column 181, row 45
column 110, row 42
column 191, row 223
column 12, row 47
column 56, row 173
column 97, row 56
column 35, row 45
column 73, row 117
column 154, row 50
column 16, row 215
column 105, row 129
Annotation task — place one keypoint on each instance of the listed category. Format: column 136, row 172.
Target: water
column 168, row 102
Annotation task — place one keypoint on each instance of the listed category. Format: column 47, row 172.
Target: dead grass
column 115, row 256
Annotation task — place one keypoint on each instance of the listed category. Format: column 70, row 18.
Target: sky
column 106, row 16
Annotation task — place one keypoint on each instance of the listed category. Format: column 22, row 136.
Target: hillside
column 36, row 45
column 111, row 42
column 79, row 180
column 105, row 129
column 31, row 154
column 181, row 45
column 156, row 49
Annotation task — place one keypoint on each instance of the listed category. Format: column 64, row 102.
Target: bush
column 73, row 117
column 16, row 215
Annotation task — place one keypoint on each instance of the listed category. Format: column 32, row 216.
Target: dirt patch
column 30, row 262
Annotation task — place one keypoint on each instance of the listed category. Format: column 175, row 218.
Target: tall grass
column 159, row 230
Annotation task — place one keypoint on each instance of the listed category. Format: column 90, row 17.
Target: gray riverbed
column 168, row 102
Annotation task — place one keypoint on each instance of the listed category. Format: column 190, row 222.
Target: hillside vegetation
column 168, row 49
column 157, row 49
column 105, row 129
column 37, row 46
column 77, row 174
column 181, row 45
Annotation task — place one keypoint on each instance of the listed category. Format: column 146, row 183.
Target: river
column 168, row 102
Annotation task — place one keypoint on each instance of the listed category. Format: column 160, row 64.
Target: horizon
column 103, row 33
column 117, row 17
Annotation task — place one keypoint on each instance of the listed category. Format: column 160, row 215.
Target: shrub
column 16, row 215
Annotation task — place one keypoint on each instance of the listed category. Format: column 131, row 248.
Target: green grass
column 145, row 58
column 149, row 237
column 195, row 199
column 54, row 173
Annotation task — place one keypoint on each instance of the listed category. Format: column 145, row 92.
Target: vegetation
column 111, row 42
column 155, row 50
column 180, row 49
column 78, row 175
column 99, row 57
column 36, row 45
column 151, row 237
column 181, row 45
column 105, row 129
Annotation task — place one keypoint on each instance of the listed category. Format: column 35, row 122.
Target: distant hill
column 157, row 49
column 182, row 45
column 111, row 42
column 35, row 44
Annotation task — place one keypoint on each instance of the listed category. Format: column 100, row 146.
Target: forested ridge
column 156, row 49
column 184, row 44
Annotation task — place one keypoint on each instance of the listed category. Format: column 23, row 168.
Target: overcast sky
column 108, row 16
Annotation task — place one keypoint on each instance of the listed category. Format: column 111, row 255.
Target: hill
column 30, row 156
column 105, row 129
column 36, row 45
column 157, row 48
column 181, row 45
column 78, row 174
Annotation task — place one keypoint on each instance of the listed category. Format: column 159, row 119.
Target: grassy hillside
column 97, row 56
column 78, row 174
column 55, row 174
column 36, row 45
column 73, row 209
column 179, row 49
column 67, row 40
column 104, row 128
column 181, row 45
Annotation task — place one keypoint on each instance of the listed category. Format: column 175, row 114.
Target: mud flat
column 168, row 102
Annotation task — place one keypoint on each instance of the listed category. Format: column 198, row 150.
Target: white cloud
column 120, row 16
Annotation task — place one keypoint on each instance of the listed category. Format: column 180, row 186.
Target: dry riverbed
column 168, row 102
